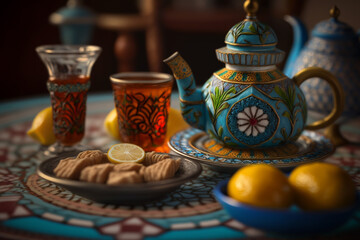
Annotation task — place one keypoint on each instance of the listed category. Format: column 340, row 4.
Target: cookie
column 71, row 167
column 96, row 156
column 161, row 170
column 153, row 157
column 123, row 167
column 62, row 165
column 118, row 178
column 97, row 173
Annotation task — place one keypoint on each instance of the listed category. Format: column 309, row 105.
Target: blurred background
column 137, row 35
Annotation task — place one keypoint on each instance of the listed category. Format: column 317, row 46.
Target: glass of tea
column 69, row 68
column 142, row 101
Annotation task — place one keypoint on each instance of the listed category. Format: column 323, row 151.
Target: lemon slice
column 125, row 153
column 42, row 127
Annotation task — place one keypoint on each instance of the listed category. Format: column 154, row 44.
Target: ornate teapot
column 333, row 46
column 250, row 103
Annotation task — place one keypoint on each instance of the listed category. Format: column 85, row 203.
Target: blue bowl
column 288, row 221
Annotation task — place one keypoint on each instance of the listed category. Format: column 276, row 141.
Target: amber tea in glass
column 142, row 101
column 69, row 108
column 69, row 68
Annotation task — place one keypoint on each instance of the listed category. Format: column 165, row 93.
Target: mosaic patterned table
column 33, row 208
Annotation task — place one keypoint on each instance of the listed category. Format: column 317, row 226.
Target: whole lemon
column 322, row 186
column 261, row 185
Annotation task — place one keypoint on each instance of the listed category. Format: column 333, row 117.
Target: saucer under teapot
column 197, row 145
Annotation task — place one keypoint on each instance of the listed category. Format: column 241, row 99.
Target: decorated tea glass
column 69, row 68
column 142, row 101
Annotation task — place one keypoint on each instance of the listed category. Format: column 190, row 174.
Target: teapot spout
column 191, row 99
column 300, row 37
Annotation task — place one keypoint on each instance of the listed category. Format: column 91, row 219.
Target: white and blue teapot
column 333, row 46
column 250, row 103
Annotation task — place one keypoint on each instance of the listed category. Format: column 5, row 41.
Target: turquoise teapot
column 333, row 46
column 250, row 103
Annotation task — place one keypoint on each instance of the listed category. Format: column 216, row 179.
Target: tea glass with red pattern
column 142, row 101
column 69, row 68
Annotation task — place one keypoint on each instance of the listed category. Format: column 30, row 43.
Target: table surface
column 33, row 208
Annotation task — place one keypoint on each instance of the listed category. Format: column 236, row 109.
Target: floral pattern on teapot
column 256, row 115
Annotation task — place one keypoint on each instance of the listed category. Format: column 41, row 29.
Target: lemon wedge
column 42, row 127
column 175, row 123
column 111, row 124
column 125, row 153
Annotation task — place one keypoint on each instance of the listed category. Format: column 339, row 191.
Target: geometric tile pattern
column 251, row 232
column 131, row 228
column 10, row 209
column 186, row 213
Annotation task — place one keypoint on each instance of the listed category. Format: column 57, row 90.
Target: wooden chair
column 157, row 16
column 148, row 20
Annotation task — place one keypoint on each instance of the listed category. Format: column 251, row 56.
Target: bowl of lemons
column 314, row 198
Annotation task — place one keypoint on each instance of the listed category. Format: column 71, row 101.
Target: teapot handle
column 337, row 90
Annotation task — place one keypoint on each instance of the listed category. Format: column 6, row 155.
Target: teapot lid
column 250, row 42
column 332, row 28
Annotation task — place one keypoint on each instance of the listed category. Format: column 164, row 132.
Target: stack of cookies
column 93, row 166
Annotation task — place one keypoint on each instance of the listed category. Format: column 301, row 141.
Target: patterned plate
column 122, row 194
column 197, row 145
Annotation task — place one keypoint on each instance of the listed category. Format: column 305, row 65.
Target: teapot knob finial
column 251, row 7
column 335, row 12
